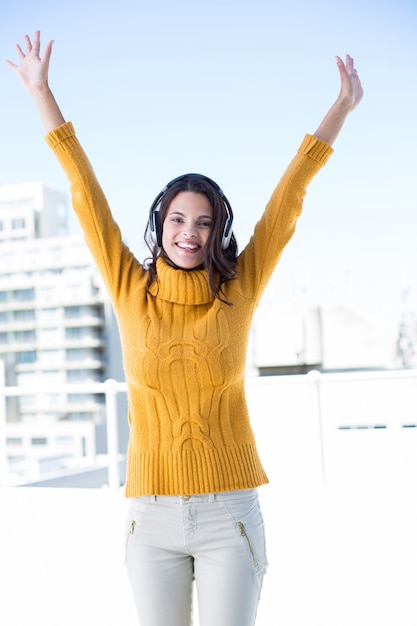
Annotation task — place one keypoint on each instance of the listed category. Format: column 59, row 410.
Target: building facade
column 56, row 328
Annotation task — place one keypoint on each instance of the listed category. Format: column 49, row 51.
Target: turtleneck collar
column 181, row 286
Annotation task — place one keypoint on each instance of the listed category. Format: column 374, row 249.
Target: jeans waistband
column 205, row 497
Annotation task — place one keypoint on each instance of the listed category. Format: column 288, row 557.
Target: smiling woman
column 193, row 467
column 219, row 252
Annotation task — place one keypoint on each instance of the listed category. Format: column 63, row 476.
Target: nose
column 190, row 231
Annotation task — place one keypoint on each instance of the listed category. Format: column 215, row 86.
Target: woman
column 184, row 319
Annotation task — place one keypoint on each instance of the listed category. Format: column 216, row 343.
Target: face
column 186, row 229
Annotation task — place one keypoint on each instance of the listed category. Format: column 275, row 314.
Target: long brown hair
column 220, row 262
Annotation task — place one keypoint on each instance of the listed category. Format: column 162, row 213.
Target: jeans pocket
column 137, row 508
column 247, row 519
column 129, row 532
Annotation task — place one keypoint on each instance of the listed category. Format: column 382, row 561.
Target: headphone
column 155, row 226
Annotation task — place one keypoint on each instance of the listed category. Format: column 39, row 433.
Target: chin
column 181, row 265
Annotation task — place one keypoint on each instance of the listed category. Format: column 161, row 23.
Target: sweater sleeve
column 277, row 224
column 113, row 258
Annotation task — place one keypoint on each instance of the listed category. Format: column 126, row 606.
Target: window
column 77, row 354
column 14, row 441
column 74, row 333
column 73, row 312
column 81, row 376
column 25, row 315
column 24, row 336
column 39, row 441
column 26, row 357
column 22, row 295
column 18, row 223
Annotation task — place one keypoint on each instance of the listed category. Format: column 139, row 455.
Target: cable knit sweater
column 184, row 352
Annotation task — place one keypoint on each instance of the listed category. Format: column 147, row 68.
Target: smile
column 188, row 246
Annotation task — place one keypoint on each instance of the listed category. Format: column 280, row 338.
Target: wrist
column 344, row 105
column 40, row 91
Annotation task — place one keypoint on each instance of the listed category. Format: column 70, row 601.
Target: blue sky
column 228, row 89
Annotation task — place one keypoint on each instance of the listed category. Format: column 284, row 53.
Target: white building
column 56, row 326
column 294, row 338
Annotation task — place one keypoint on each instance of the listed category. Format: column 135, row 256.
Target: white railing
column 319, row 428
column 80, row 430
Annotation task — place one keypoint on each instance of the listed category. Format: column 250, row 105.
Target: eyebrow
column 183, row 215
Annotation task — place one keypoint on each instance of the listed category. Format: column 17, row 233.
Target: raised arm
column 350, row 95
column 33, row 73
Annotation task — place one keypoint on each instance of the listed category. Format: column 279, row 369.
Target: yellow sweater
column 184, row 352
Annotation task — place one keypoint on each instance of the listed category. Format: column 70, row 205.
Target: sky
column 228, row 89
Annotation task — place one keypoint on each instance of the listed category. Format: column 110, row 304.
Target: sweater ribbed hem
column 194, row 472
column 316, row 149
column 59, row 134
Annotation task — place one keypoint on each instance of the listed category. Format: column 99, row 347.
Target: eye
column 205, row 224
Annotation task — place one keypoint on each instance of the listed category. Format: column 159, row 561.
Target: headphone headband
column 155, row 226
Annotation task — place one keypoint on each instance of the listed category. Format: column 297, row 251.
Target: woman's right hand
column 32, row 70
column 33, row 73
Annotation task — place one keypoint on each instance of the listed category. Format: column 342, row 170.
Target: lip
column 188, row 248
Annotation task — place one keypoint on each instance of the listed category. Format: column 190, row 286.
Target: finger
column 342, row 68
column 340, row 65
column 47, row 52
column 20, row 52
column 350, row 64
column 37, row 41
column 12, row 65
column 28, row 43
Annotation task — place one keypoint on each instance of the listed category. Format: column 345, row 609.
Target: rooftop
column 340, row 514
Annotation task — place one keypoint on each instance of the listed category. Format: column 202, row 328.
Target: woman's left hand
column 351, row 91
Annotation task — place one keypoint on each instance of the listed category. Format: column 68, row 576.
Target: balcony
column 340, row 511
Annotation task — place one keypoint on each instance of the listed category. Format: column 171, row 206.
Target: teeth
column 188, row 246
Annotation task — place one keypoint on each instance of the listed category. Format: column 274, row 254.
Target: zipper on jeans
column 130, row 533
column 244, row 534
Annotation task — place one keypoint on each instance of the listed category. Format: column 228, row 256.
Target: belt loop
column 212, row 497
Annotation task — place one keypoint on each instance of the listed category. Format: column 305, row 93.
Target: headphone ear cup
column 227, row 233
column 155, row 228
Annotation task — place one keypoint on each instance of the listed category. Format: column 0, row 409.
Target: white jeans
column 218, row 540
